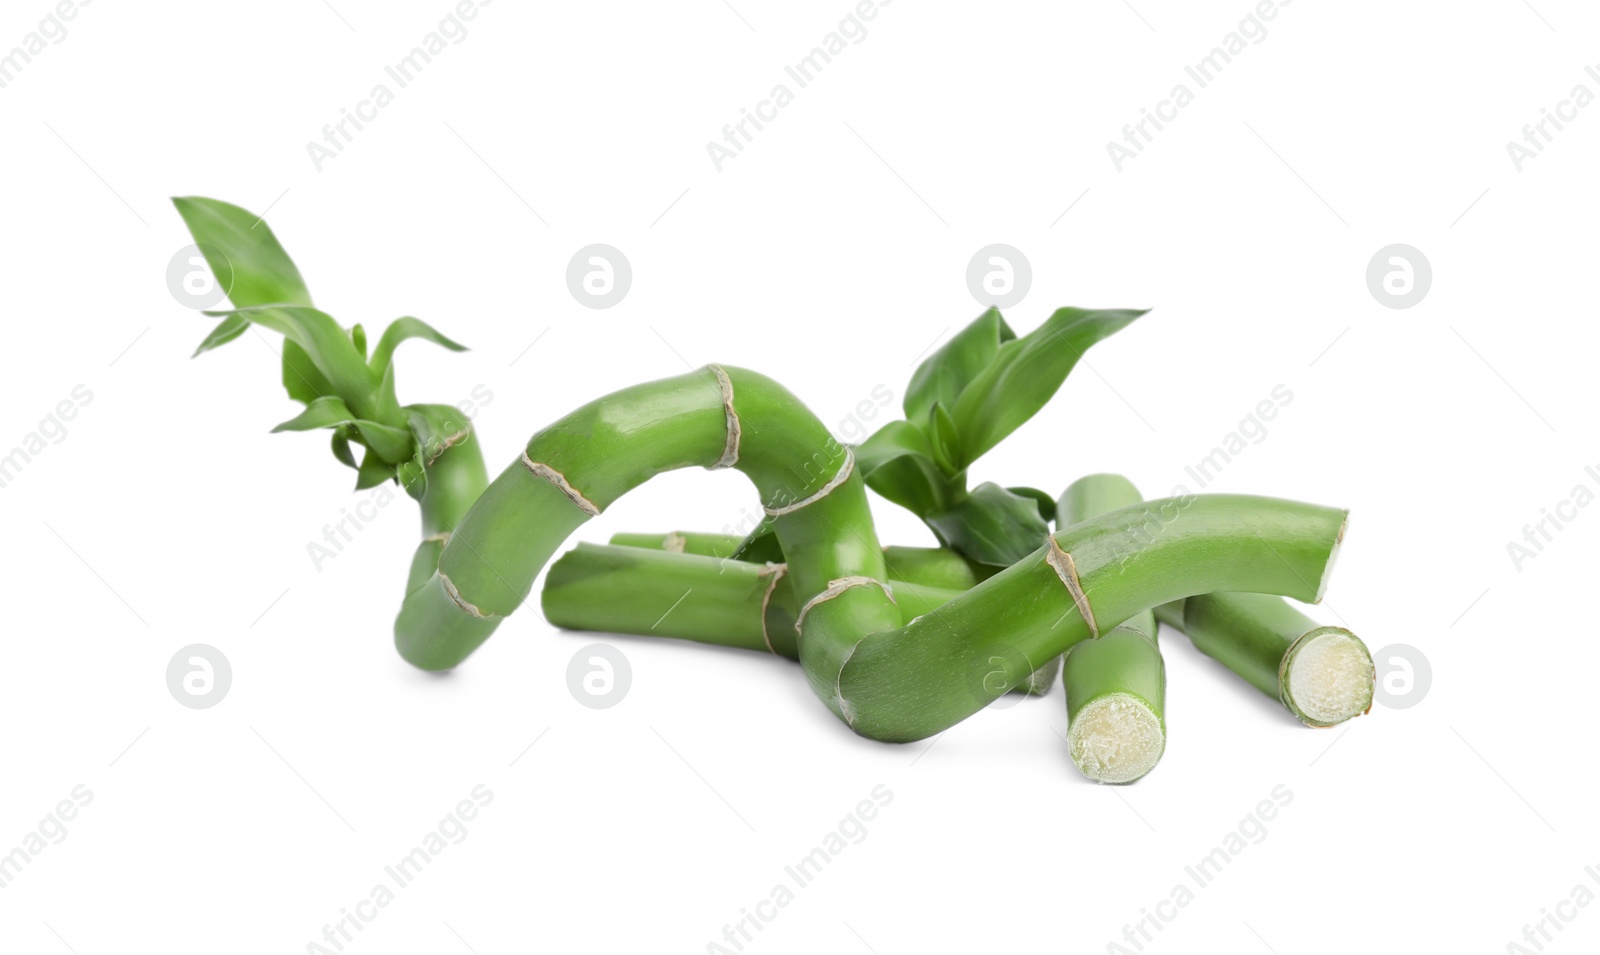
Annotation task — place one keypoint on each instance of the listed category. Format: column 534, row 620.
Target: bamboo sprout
column 886, row 680
column 1115, row 685
column 1323, row 675
column 430, row 450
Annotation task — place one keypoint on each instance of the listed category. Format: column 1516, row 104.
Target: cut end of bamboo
column 1333, row 558
column 1328, row 677
column 1116, row 738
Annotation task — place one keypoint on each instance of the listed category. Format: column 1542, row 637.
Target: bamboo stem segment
column 657, row 593
column 887, row 680
column 912, row 570
column 1116, row 684
column 1323, row 675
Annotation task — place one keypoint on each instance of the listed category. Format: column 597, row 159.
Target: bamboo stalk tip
column 1116, row 738
column 1328, row 677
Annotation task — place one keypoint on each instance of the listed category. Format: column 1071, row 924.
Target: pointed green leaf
column 413, row 477
column 301, row 379
column 402, row 329
column 358, row 337
column 386, row 407
column 231, row 327
column 319, row 358
column 1047, row 504
column 897, row 463
column 946, row 373
column 945, row 441
column 341, row 450
column 373, row 471
column 893, row 440
column 327, row 412
column 238, row 244
column 1025, row 374
column 992, row 526
column 393, row 445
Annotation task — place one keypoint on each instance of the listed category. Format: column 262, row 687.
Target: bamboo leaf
column 393, row 445
column 945, row 441
column 946, row 373
column 230, row 328
column 1047, row 504
column 246, row 256
column 301, row 379
column 403, row 329
column 326, row 363
column 386, row 407
column 1025, row 373
column 341, row 450
column 413, row 477
column 243, row 253
column 992, row 526
column 373, row 472
column 326, row 412
column 897, row 463
column 893, row 440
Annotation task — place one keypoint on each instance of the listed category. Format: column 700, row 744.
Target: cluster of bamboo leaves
column 964, row 399
column 326, row 366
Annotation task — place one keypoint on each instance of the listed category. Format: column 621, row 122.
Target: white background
column 831, row 254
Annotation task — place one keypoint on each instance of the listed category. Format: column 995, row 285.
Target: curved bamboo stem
column 886, row 680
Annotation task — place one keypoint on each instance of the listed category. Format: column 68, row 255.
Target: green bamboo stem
column 911, row 683
column 886, row 680
column 1115, row 685
column 912, row 570
column 659, row 593
column 1323, row 675
column 930, row 566
column 721, row 546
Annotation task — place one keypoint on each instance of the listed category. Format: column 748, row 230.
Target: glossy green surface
column 1126, row 660
column 655, row 593
column 911, row 683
